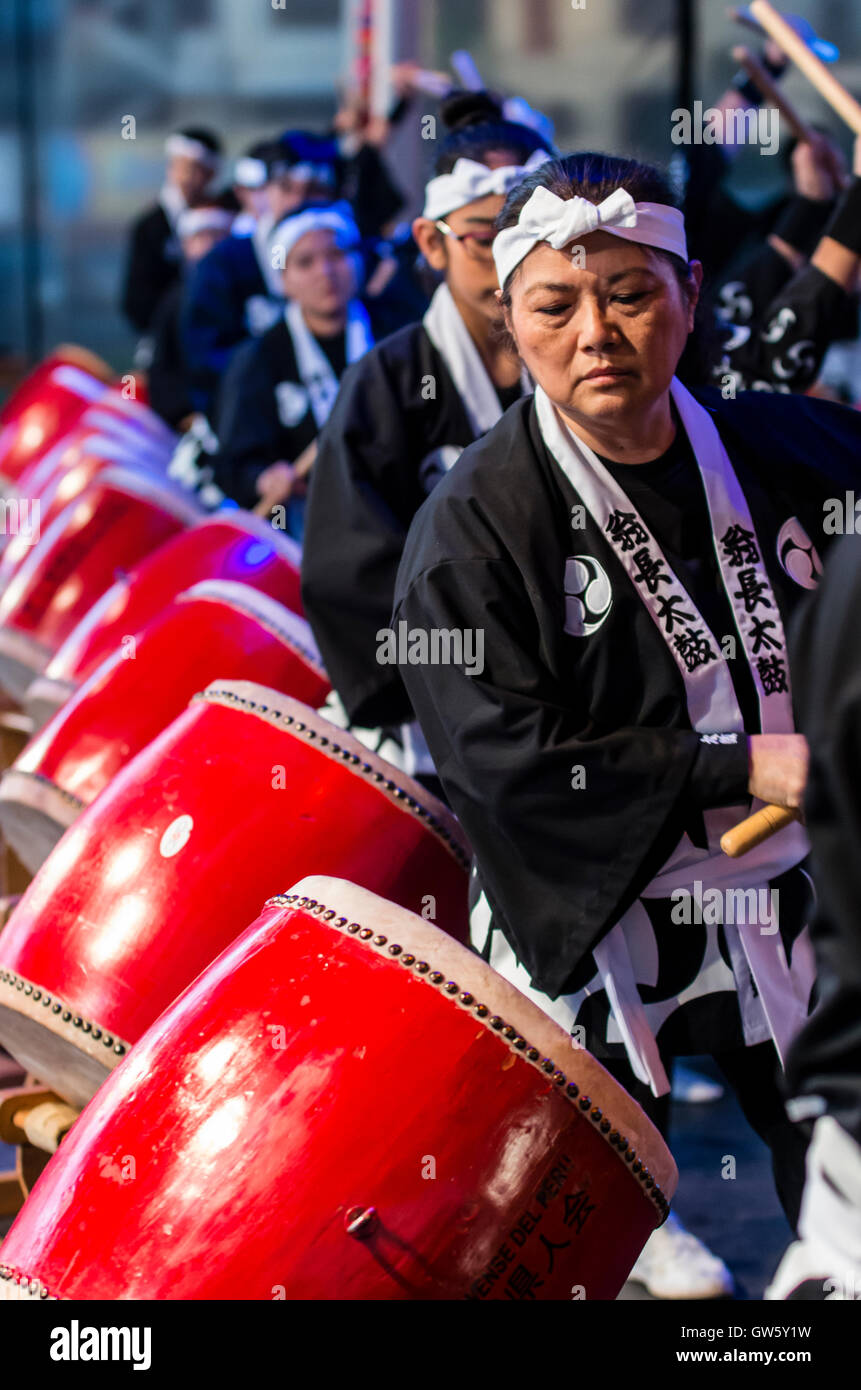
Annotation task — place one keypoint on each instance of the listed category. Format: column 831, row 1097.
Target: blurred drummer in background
column 193, row 159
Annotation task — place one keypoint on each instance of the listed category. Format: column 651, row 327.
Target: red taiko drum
column 233, row 545
column 129, row 439
column 55, row 483
column 238, row 797
column 47, row 404
column 114, row 411
column 347, row 1104
column 119, row 518
column 216, row 629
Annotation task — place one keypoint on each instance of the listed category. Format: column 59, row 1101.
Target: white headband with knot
column 179, row 146
column 469, row 180
column 545, row 217
column 333, row 217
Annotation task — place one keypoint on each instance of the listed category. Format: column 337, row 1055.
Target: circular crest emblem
column 588, row 595
column 797, row 554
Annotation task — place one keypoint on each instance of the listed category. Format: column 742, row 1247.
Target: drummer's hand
column 856, row 157
column 818, row 168
column 778, row 768
column 774, row 53
column 275, row 483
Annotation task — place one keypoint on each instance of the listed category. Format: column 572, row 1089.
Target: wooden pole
column 826, row 84
column 770, row 90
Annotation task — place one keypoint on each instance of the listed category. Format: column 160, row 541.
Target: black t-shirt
column 335, row 348
column 507, row 395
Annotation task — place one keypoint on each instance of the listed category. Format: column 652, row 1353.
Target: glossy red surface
column 45, row 406
column 115, row 521
column 307, row 1076
column 223, row 809
column 230, row 545
column 149, row 680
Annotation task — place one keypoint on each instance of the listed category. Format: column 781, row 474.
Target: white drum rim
column 342, row 747
column 145, row 483
column 276, row 617
column 89, row 1041
column 40, row 797
column 46, row 693
column 259, row 526
column 20, row 653
column 485, row 988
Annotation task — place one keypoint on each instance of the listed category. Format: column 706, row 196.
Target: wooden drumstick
column 770, row 90
column 751, row 832
column 302, row 467
column 847, row 108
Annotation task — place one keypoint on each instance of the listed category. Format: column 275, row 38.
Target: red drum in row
column 232, row 545
column 129, row 437
column 119, row 518
column 347, row 1104
column 34, row 504
column 47, row 404
column 215, row 629
column 117, row 411
column 238, row 797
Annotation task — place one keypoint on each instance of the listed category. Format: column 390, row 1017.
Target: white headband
column 194, row 220
column 336, row 218
column 249, row 173
column 469, row 181
column 561, row 220
column 178, row 146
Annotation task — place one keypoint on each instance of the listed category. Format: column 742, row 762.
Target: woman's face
column 318, row 274
column 602, row 338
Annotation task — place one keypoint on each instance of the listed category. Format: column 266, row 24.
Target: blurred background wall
column 609, row 73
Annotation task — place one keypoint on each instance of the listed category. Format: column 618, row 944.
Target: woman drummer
column 630, row 553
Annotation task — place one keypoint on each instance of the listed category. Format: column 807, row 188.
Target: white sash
column 711, row 701
column 451, row 338
column 315, row 370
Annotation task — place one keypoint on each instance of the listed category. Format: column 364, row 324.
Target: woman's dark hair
column 476, row 126
column 595, row 177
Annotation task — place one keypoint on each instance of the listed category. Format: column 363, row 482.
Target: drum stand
column 34, row 1120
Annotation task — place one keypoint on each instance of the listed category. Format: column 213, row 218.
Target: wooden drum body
column 346, row 1105
column 215, row 629
column 118, row 519
column 237, row 798
column 232, row 545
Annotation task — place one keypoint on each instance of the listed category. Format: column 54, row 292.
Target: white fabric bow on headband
column 469, row 180
column 558, row 221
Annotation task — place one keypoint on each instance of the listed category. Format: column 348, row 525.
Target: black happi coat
column 251, row 428
column 153, row 265
column 398, row 421
column 825, row 1059
column 488, row 552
